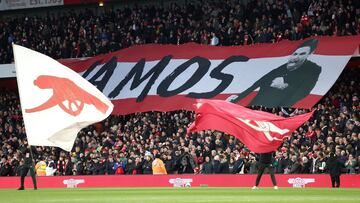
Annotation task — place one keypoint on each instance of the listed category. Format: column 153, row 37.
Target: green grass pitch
column 174, row 195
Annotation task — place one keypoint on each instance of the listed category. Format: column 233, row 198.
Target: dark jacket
column 80, row 168
column 224, row 167
column 295, row 167
column 130, row 168
column 27, row 159
column 187, row 164
column 147, row 167
column 207, row 168
column 306, row 167
column 300, row 83
column 170, row 166
column 109, row 167
column 216, row 166
column 238, row 165
column 138, row 168
column 283, row 163
column 265, row 158
column 5, row 169
column 97, row 168
column 68, row 169
column 334, row 166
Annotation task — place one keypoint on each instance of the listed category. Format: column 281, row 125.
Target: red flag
column 260, row 131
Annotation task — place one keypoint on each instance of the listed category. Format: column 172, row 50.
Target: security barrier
column 191, row 180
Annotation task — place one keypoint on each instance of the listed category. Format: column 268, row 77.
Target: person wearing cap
column 334, row 168
column 289, row 83
column 265, row 161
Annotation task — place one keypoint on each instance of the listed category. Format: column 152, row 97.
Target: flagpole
column 33, row 164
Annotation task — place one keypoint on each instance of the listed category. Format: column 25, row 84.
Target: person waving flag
column 56, row 102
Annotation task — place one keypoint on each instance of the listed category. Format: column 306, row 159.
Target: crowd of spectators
column 130, row 144
column 82, row 33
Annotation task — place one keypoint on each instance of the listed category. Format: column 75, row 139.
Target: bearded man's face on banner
column 298, row 58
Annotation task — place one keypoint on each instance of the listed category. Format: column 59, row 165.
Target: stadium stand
column 128, row 144
column 82, row 33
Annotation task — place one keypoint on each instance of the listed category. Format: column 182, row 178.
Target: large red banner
column 296, row 74
column 294, row 180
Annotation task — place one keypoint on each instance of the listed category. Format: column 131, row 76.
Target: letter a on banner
column 56, row 102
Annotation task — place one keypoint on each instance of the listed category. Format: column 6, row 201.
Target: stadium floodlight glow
column 101, row 3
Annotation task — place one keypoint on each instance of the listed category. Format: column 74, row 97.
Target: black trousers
column 261, row 170
column 335, row 180
column 23, row 172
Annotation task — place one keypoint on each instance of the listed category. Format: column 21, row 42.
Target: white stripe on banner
column 245, row 74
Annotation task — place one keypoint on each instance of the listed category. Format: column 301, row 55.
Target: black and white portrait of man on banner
column 288, row 84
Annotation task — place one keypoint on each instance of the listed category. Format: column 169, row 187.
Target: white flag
column 56, row 102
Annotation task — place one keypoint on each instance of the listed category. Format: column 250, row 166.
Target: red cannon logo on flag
column 70, row 97
column 266, row 128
